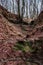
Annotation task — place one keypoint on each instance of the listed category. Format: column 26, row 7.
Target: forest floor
column 11, row 33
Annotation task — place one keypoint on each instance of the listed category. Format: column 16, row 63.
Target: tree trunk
column 41, row 5
column 18, row 3
column 23, row 8
column 13, row 6
column 27, row 9
column 30, row 8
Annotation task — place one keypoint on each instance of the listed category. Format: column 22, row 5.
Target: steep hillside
column 10, row 33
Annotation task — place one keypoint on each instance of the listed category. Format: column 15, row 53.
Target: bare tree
column 30, row 8
column 41, row 5
column 27, row 9
column 10, row 6
column 13, row 6
column 34, row 8
column 18, row 4
column 23, row 7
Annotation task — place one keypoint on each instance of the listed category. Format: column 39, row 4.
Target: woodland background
column 24, row 8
